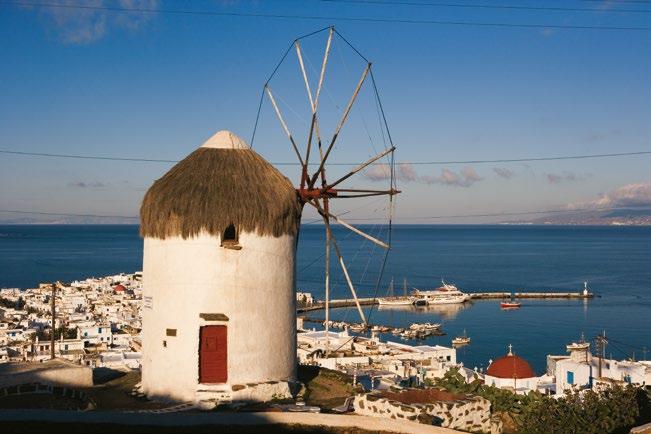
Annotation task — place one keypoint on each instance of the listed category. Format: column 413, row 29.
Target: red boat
column 510, row 305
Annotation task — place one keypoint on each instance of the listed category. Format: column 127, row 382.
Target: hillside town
column 98, row 324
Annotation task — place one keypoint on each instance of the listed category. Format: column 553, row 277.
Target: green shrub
column 612, row 410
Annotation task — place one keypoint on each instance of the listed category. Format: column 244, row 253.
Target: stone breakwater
column 318, row 305
column 430, row 406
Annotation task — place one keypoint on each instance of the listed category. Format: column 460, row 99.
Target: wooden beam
column 345, row 270
column 343, row 119
column 361, row 167
column 351, row 227
column 283, row 124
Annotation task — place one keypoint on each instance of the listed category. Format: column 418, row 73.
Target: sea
column 615, row 261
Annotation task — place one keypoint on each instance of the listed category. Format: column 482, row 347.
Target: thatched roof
column 223, row 182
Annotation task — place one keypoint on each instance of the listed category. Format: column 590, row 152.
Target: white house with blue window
column 96, row 334
column 580, row 370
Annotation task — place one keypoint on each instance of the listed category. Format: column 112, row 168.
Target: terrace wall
column 431, row 406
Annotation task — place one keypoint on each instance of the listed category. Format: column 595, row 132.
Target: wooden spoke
column 343, row 119
column 284, row 125
column 358, row 190
column 307, row 82
column 360, row 167
column 355, row 196
column 351, row 227
column 363, row 193
column 323, row 67
column 314, row 102
column 344, row 269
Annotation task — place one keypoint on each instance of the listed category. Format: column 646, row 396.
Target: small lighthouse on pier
column 219, row 310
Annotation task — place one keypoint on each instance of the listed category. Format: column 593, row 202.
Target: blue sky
column 157, row 85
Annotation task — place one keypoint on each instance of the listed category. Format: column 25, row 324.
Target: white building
column 346, row 352
column 581, row 370
column 218, row 276
column 96, row 334
column 514, row 373
column 305, row 298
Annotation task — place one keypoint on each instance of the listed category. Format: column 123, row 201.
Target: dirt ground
column 325, row 388
column 114, row 393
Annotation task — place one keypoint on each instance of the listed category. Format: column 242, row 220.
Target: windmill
column 315, row 189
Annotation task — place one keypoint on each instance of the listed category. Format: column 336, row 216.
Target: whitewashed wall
column 254, row 287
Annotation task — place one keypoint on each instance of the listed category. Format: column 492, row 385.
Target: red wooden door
column 212, row 354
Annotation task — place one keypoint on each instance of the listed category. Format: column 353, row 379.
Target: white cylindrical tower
column 219, row 309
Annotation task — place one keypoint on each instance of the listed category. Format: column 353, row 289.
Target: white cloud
column 630, row 195
column 405, row 172
column 87, row 22
column 504, row 172
column 547, row 32
column 84, row 184
column 379, row 172
column 566, row 176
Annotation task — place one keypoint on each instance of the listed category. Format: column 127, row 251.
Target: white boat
column 461, row 340
column 582, row 345
column 444, row 294
column 397, row 301
column 390, row 300
column 408, row 334
column 424, row 326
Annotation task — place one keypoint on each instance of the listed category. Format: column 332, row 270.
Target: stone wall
column 430, row 406
column 56, row 372
column 39, row 388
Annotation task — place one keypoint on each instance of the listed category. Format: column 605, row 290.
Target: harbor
column 349, row 302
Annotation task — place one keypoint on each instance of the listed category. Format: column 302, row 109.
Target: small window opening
column 230, row 239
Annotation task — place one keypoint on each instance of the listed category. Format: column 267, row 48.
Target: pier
column 338, row 303
column 494, row 295
column 473, row 296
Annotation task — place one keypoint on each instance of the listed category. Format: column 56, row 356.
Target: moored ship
column 444, row 294
column 390, row 300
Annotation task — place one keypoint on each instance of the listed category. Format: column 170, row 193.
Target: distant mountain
column 620, row 217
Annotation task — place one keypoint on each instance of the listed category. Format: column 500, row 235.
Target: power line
column 419, row 163
column 85, row 157
column 484, row 6
column 324, row 17
column 501, row 214
column 14, row 211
